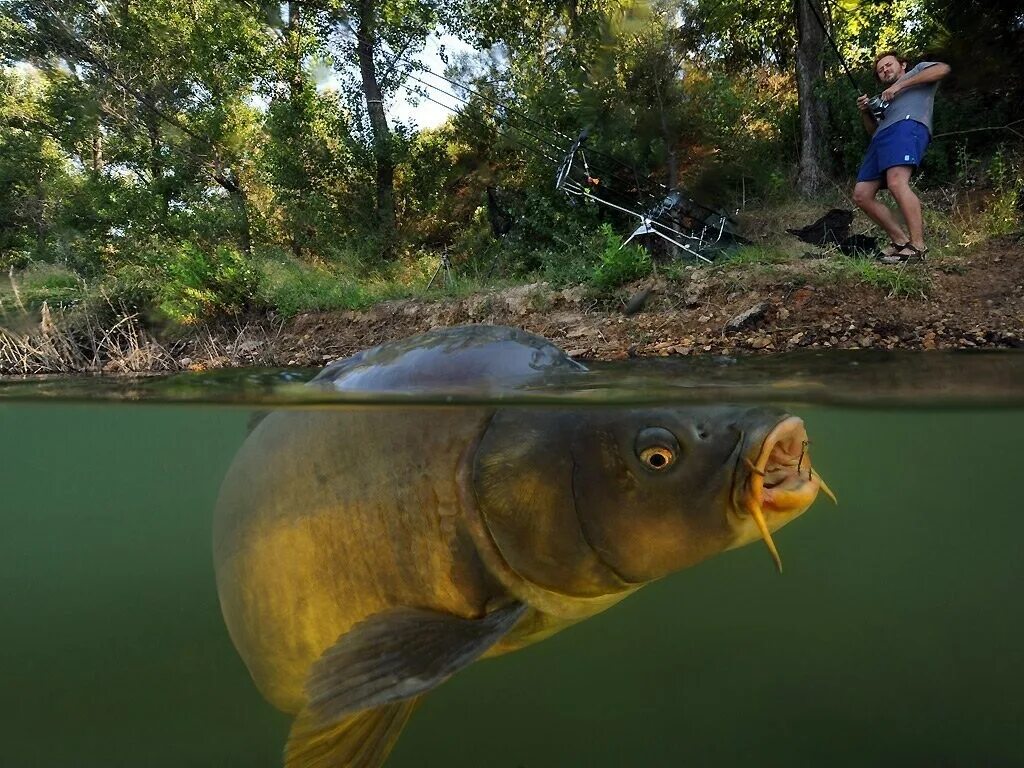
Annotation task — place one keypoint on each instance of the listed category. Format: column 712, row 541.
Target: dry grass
column 77, row 342
column 234, row 344
column 104, row 336
column 81, row 343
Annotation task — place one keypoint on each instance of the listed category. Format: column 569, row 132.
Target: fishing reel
column 877, row 106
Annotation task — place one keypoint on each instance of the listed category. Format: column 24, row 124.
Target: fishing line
column 817, row 14
column 642, row 189
column 654, row 199
column 467, row 102
column 573, row 187
column 423, row 68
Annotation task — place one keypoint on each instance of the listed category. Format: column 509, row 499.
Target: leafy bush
column 1006, row 175
column 619, row 264
column 200, row 284
column 28, row 289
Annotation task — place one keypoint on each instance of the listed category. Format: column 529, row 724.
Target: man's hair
column 898, row 56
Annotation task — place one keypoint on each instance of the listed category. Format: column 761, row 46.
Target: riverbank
column 820, row 301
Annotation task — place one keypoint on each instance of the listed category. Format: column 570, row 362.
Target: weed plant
column 904, row 280
column 619, row 263
column 290, row 288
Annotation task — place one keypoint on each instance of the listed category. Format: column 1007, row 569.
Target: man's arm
column 930, row 74
column 870, row 125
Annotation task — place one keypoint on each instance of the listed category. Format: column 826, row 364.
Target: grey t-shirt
column 915, row 103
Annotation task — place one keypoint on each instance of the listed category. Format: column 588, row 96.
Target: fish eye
column 657, row 458
column 657, row 448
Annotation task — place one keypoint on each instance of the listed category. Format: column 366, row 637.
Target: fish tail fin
column 361, row 740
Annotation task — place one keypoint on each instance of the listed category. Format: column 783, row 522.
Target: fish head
column 592, row 500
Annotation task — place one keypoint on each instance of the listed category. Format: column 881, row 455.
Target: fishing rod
column 571, row 187
column 876, row 104
column 647, row 225
column 654, row 198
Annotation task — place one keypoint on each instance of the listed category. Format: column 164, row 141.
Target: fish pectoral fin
column 397, row 655
column 362, row 740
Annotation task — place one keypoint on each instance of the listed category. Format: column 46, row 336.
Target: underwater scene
column 615, row 569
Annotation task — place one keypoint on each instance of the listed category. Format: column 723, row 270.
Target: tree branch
column 1008, row 127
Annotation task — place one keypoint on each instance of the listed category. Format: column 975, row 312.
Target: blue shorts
column 901, row 144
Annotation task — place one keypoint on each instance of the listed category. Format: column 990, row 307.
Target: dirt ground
column 976, row 301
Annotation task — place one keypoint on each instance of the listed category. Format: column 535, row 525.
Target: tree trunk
column 810, row 69
column 296, row 87
column 40, row 213
column 365, row 39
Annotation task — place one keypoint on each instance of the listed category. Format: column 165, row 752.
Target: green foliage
column 740, row 36
column 1005, row 211
column 896, row 280
column 200, row 284
column 151, row 150
column 29, row 288
column 290, row 288
column 747, row 255
column 754, row 116
column 619, row 264
column 32, row 174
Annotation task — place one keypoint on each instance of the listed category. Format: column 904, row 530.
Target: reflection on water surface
column 870, row 377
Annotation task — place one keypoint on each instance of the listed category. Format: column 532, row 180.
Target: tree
column 810, row 71
column 167, row 83
column 307, row 157
column 31, row 171
column 374, row 39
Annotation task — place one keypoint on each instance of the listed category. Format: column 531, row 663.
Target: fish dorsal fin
column 362, row 740
column 363, row 689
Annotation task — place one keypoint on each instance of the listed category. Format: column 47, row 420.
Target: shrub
column 1006, row 175
column 200, row 284
column 619, row 264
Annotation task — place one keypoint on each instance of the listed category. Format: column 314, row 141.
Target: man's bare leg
column 898, row 179
column 864, row 198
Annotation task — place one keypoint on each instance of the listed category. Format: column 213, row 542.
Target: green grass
column 957, row 219
column 27, row 289
column 291, row 288
column 896, row 280
column 749, row 255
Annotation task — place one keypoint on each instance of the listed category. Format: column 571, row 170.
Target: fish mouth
column 779, row 484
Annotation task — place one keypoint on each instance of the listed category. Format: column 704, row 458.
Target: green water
column 894, row 638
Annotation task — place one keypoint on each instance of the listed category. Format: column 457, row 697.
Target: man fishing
column 899, row 138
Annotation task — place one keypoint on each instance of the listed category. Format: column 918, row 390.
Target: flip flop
column 905, row 253
column 895, row 247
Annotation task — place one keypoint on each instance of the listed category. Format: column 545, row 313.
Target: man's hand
column 890, row 93
column 862, row 103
